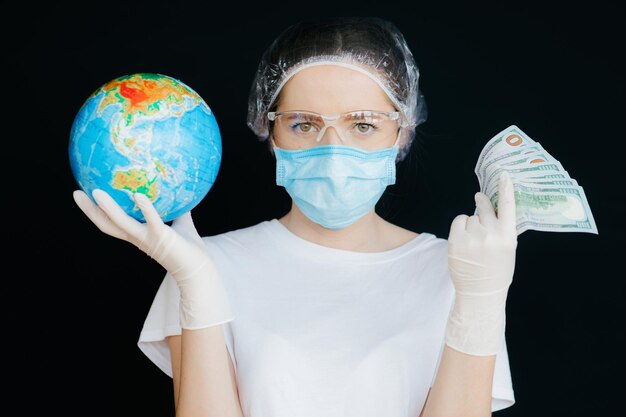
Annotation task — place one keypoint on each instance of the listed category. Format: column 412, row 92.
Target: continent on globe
column 146, row 133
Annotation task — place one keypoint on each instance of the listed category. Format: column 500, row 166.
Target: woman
column 330, row 310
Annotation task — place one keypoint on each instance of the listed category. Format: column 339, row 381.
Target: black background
column 75, row 299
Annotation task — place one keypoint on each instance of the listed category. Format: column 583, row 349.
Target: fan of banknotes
column 546, row 197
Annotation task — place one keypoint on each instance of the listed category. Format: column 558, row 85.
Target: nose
column 330, row 136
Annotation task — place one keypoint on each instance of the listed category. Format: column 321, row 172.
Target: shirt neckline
column 305, row 247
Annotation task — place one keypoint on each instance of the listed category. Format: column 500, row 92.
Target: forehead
column 332, row 89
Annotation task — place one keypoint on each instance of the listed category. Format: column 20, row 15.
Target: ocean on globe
column 146, row 133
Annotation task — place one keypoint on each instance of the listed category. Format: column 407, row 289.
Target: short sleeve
column 163, row 320
column 502, row 395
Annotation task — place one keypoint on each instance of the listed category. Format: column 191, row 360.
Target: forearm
column 462, row 386
column 207, row 384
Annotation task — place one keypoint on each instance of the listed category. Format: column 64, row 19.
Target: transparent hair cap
column 370, row 45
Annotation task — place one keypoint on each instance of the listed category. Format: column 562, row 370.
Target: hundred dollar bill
column 518, row 172
column 522, row 170
column 530, row 157
column 549, row 181
column 509, row 139
column 534, row 182
column 506, row 154
column 532, row 154
column 551, row 208
column 556, row 175
column 547, row 198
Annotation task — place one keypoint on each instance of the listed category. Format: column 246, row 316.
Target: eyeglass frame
column 393, row 115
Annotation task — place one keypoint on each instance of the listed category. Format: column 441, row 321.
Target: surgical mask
column 335, row 185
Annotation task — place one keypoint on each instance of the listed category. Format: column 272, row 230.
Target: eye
column 305, row 127
column 365, row 127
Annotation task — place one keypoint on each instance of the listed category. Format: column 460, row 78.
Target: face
column 330, row 90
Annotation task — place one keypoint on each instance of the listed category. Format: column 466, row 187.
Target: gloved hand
column 179, row 249
column 481, row 258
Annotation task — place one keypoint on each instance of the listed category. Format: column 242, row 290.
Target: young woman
column 330, row 310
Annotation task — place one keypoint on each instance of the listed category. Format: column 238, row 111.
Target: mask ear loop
column 395, row 144
column 274, row 146
column 271, row 135
column 397, row 141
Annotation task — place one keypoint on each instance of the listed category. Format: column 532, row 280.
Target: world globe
column 146, row 133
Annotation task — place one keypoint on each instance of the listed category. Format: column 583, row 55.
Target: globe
column 146, row 133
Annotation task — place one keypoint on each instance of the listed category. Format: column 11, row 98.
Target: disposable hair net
column 371, row 45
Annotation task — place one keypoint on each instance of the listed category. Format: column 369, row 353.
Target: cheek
column 283, row 144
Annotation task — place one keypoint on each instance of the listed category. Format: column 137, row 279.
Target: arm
column 203, row 372
column 481, row 259
column 462, row 387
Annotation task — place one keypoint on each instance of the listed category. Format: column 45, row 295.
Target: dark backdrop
column 76, row 299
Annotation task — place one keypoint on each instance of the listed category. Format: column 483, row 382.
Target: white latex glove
column 481, row 258
column 179, row 249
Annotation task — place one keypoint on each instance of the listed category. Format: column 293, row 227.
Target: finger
column 458, row 226
column 116, row 214
column 486, row 212
column 183, row 222
column 472, row 224
column 147, row 208
column 96, row 215
column 506, row 202
column 184, row 225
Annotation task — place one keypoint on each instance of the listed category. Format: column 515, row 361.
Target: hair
column 371, row 43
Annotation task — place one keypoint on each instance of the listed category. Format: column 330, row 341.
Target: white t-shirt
column 326, row 332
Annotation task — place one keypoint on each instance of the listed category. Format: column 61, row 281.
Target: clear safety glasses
column 363, row 128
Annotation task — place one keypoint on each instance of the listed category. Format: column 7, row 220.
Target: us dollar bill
column 547, row 198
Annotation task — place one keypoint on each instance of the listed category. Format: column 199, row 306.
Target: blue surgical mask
column 335, row 185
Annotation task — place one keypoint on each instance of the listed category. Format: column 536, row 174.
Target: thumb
column 506, row 202
column 184, row 226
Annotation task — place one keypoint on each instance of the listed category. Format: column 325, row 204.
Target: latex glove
column 179, row 249
column 481, row 258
